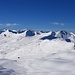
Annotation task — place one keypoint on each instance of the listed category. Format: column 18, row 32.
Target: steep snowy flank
column 11, row 67
column 62, row 35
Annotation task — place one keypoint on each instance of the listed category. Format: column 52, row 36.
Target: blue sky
column 38, row 14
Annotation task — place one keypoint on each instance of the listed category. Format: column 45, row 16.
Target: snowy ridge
column 60, row 34
column 29, row 52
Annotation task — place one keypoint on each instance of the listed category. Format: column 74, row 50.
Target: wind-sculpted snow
column 10, row 67
column 5, row 71
column 30, row 55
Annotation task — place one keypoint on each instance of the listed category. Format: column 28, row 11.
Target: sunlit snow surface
column 20, row 55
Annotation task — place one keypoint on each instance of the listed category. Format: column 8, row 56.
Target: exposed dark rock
column 30, row 33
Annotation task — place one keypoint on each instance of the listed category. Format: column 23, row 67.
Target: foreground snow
column 20, row 55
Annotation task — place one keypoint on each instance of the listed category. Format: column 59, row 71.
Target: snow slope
column 26, row 53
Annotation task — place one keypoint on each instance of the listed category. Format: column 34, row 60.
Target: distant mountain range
column 62, row 35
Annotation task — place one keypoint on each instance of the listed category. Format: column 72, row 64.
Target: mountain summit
column 62, row 35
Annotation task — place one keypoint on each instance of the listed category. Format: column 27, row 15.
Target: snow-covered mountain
column 64, row 35
column 29, row 52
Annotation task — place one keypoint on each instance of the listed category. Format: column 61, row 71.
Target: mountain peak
column 62, row 35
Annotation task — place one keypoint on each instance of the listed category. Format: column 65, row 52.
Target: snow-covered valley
column 28, row 52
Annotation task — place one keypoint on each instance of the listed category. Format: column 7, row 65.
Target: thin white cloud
column 9, row 24
column 15, row 24
column 62, row 24
column 57, row 23
column 1, row 24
